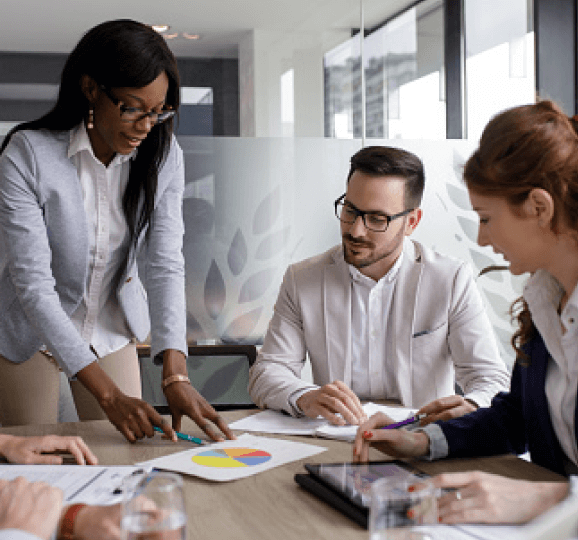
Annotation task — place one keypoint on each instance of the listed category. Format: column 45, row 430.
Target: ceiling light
column 160, row 28
column 171, row 36
column 191, row 36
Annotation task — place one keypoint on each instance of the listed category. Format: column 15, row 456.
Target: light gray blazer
column 44, row 255
column 441, row 332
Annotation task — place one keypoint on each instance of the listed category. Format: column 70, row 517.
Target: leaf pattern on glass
column 470, row 228
column 267, row 212
column 500, row 305
column 222, row 381
column 237, row 256
column 199, row 217
column 482, row 261
column 459, row 196
column 256, row 285
column 215, row 292
column 273, row 244
column 194, row 329
column 241, row 328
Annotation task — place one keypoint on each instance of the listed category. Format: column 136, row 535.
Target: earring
column 90, row 123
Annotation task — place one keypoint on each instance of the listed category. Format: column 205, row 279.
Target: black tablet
column 347, row 486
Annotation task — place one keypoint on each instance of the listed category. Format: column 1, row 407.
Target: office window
column 404, row 78
column 499, row 59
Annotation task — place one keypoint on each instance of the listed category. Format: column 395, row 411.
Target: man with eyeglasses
column 380, row 316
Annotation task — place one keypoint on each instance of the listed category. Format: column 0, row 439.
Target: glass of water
column 398, row 514
column 154, row 507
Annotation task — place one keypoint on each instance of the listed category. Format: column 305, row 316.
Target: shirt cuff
column 294, row 408
column 438, row 444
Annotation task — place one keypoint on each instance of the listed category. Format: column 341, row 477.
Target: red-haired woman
column 523, row 183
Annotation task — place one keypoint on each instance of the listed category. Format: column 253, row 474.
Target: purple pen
column 411, row 420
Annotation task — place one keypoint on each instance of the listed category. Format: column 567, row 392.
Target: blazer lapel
column 403, row 310
column 337, row 302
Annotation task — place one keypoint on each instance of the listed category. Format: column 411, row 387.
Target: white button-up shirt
column 98, row 317
column 543, row 294
column 372, row 375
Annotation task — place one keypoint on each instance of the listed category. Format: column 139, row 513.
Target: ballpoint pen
column 183, row 436
column 408, row 421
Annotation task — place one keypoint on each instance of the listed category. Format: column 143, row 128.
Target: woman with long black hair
column 85, row 190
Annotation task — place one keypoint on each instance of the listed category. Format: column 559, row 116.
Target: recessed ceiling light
column 160, row 28
column 191, row 36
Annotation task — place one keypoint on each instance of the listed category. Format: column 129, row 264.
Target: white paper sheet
column 86, row 484
column 269, row 421
column 231, row 460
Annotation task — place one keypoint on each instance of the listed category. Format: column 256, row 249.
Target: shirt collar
column 358, row 277
column 79, row 141
column 543, row 289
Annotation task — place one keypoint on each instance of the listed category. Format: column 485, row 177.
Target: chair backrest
column 220, row 373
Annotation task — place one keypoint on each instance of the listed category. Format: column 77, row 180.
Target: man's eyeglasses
column 373, row 221
column 134, row 114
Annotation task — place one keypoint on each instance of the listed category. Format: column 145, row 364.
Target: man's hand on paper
column 331, row 400
column 33, row 450
column 32, row 507
column 393, row 442
column 480, row 497
column 445, row 408
column 102, row 522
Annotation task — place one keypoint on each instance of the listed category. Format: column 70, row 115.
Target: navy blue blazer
column 516, row 422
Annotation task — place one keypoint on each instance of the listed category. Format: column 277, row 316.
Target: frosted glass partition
column 254, row 205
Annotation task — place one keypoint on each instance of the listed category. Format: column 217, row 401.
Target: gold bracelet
column 173, row 379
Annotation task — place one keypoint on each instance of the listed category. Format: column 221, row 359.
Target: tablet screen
column 353, row 480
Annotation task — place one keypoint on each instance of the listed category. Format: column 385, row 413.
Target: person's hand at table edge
column 37, row 450
column 479, row 497
column 32, row 507
column 90, row 522
column 446, row 408
column 184, row 400
column 393, row 442
column 330, row 401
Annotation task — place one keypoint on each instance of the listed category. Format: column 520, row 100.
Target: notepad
column 269, row 421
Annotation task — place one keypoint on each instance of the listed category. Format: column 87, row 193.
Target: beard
column 375, row 255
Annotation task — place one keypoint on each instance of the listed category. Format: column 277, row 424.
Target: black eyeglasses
column 373, row 221
column 134, row 114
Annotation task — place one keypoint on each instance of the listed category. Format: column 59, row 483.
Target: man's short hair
column 388, row 161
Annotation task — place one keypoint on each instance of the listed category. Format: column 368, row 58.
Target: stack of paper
column 269, row 421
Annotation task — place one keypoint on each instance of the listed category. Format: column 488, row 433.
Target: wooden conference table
column 269, row 505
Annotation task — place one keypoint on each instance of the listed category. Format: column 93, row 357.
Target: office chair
column 220, row 373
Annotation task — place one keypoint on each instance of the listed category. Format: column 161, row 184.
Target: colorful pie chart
column 231, row 457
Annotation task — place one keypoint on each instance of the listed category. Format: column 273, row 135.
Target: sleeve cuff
column 438, row 444
column 294, row 408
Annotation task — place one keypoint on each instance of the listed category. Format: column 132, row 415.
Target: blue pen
column 183, row 436
column 411, row 420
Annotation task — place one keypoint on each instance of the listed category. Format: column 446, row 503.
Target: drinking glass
column 396, row 513
column 154, row 507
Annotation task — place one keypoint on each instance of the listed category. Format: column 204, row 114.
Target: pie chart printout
column 231, row 457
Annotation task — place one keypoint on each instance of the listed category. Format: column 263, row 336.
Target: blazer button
column 128, row 280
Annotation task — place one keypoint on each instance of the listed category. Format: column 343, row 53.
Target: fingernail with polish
column 367, row 434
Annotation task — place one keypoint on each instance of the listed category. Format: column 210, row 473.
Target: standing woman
column 523, row 183
column 85, row 190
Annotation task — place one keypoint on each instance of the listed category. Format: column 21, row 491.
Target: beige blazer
column 441, row 331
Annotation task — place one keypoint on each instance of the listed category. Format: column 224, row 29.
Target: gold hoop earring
column 90, row 123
